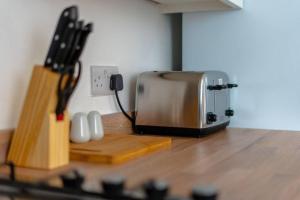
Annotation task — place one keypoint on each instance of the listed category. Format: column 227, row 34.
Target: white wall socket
column 100, row 80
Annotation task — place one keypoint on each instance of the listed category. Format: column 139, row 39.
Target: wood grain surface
column 244, row 164
column 39, row 141
column 118, row 148
column 5, row 137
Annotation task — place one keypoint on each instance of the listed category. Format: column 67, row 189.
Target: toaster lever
column 217, row 87
column 231, row 85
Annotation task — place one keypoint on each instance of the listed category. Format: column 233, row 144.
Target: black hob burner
column 113, row 188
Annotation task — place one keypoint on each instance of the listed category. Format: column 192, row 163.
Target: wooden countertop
column 242, row 163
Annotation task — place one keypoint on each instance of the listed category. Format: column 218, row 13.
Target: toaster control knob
column 229, row 113
column 211, row 117
column 156, row 190
column 230, row 85
column 216, row 87
column 113, row 186
column 205, row 193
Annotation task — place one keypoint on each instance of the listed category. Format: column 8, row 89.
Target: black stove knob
column 113, row 186
column 229, row 113
column 72, row 180
column 205, row 193
column 211, row 117
column 156, row 190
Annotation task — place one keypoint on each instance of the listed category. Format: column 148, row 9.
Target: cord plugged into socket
column 116, row 84
column 108, row 81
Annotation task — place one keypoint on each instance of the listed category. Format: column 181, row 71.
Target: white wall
column 131, row 34
column 259, row 47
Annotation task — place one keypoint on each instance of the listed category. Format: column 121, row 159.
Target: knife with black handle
column 64, row 47
column 75, row 43
column 69, row 68
column 87, row 29
column 69, row 14
column 74, row 58
column 72, row 82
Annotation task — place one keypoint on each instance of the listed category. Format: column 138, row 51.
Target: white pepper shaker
column 95, row 124
column 80, row 131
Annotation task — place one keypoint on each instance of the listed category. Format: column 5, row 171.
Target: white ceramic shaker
column 96, row 127
column 80, row 131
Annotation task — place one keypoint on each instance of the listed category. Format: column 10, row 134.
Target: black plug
column 116, row 82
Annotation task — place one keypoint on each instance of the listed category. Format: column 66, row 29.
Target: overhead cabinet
column 180, row 6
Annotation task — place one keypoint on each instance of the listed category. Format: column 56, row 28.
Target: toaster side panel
column 168, row 99
column 217, row 101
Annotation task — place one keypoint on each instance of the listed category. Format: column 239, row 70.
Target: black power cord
column 116, row 84
column 122, row 109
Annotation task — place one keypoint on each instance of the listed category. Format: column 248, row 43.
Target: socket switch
column 100, row 80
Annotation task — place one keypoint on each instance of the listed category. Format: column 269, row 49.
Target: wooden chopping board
column 117, row 148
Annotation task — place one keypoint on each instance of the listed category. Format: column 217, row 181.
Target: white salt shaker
column 96, row 127
column 80, row 131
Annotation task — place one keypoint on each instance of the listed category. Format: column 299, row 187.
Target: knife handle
column 87, row 29
column 75, row 43
column 69, row 14
column 64, row 47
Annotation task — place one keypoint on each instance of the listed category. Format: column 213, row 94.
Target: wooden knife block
column 40, row 141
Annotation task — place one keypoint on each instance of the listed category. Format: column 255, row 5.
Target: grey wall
column 130, row 34
column 259, row 47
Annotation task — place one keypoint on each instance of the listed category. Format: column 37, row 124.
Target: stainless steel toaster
column 186, row 103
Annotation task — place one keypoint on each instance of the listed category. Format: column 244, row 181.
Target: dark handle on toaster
column 221, row 87
column 232, row 85
column 216, row 87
